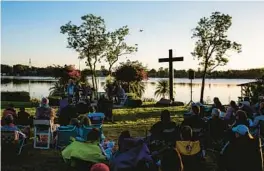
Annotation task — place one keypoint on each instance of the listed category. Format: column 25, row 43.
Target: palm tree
column 137, row 87
column 162, row 89
column 57, row 89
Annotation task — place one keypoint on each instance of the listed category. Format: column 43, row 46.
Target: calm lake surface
column 225, row 89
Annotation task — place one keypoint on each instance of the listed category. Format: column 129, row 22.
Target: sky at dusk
column 32, row 30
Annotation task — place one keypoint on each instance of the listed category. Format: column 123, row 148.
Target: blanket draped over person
column 87, row 151
column 131, row 158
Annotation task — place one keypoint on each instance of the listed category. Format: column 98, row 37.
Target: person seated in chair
column 190, row 150
column 45, row 112
column 260, row 117
column 243, row 153
column 165, row 124
column 216, row 125
column 217, row 104
column 9, row 110
column 231, row 110
column 23, row 117
column 241, row 119
column 194, row 121
column 245, row 106
column 85, row 121
column 88, row 152
column 67, row 113
column 120, row 94
column 10, row 126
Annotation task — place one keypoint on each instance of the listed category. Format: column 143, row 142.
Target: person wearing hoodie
column 242, row 153
column 190, row 150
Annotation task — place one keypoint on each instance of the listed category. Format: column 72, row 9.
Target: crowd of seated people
column 185, row 144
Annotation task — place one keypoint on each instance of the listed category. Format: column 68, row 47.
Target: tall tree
column 89, row 39
column 117, row 47
column 212, row 43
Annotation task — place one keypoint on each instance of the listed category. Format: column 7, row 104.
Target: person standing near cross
column 171, row 59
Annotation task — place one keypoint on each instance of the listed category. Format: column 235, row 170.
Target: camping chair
column 64, row 135
column 190, row 152
column 10, row 142
column 42, row 128
column 86, row 130
column 96, row 118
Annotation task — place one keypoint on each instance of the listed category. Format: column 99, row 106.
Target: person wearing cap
column 243, row 153
column 99, row 167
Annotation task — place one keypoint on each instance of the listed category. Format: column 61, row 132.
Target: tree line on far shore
column 24, row 70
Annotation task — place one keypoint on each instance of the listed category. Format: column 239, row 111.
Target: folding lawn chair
column 64, row 134
column 42, row 128
column 10, row 143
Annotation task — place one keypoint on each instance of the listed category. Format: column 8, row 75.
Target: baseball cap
column 45, row 101
column 100, row 167
column 242, row 130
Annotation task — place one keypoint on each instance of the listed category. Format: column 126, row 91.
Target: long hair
column 171, row 161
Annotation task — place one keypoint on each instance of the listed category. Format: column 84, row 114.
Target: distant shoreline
column 49, row 78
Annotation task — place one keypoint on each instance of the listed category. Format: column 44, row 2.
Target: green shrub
column 18, row 96
column 131, row 96
column 35, row 102
column 54, row 100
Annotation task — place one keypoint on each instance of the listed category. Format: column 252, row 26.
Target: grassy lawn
column 4, row 104
column 136, row 120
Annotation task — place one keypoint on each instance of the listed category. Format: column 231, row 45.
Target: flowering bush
column 130, row 71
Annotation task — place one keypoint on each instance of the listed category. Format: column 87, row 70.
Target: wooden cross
column 171, row 59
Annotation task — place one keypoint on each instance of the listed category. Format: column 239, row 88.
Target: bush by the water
column 133, row 102
column 18, row 96
column 132, row 96
column 54, row 100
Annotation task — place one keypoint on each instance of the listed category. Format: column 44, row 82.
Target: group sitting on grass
column 233, row 133
column 172, row 147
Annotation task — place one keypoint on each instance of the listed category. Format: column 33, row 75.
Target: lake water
column 225, row 89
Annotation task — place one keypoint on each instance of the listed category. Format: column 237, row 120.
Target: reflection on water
column 225, row 89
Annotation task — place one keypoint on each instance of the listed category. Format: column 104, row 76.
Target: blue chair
column 87, row 130
column 96, row 118
column 64, row 134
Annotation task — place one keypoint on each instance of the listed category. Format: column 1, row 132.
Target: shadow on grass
column 145, row 113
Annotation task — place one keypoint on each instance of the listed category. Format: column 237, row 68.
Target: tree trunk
column 203, row 83
column 110, row 70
